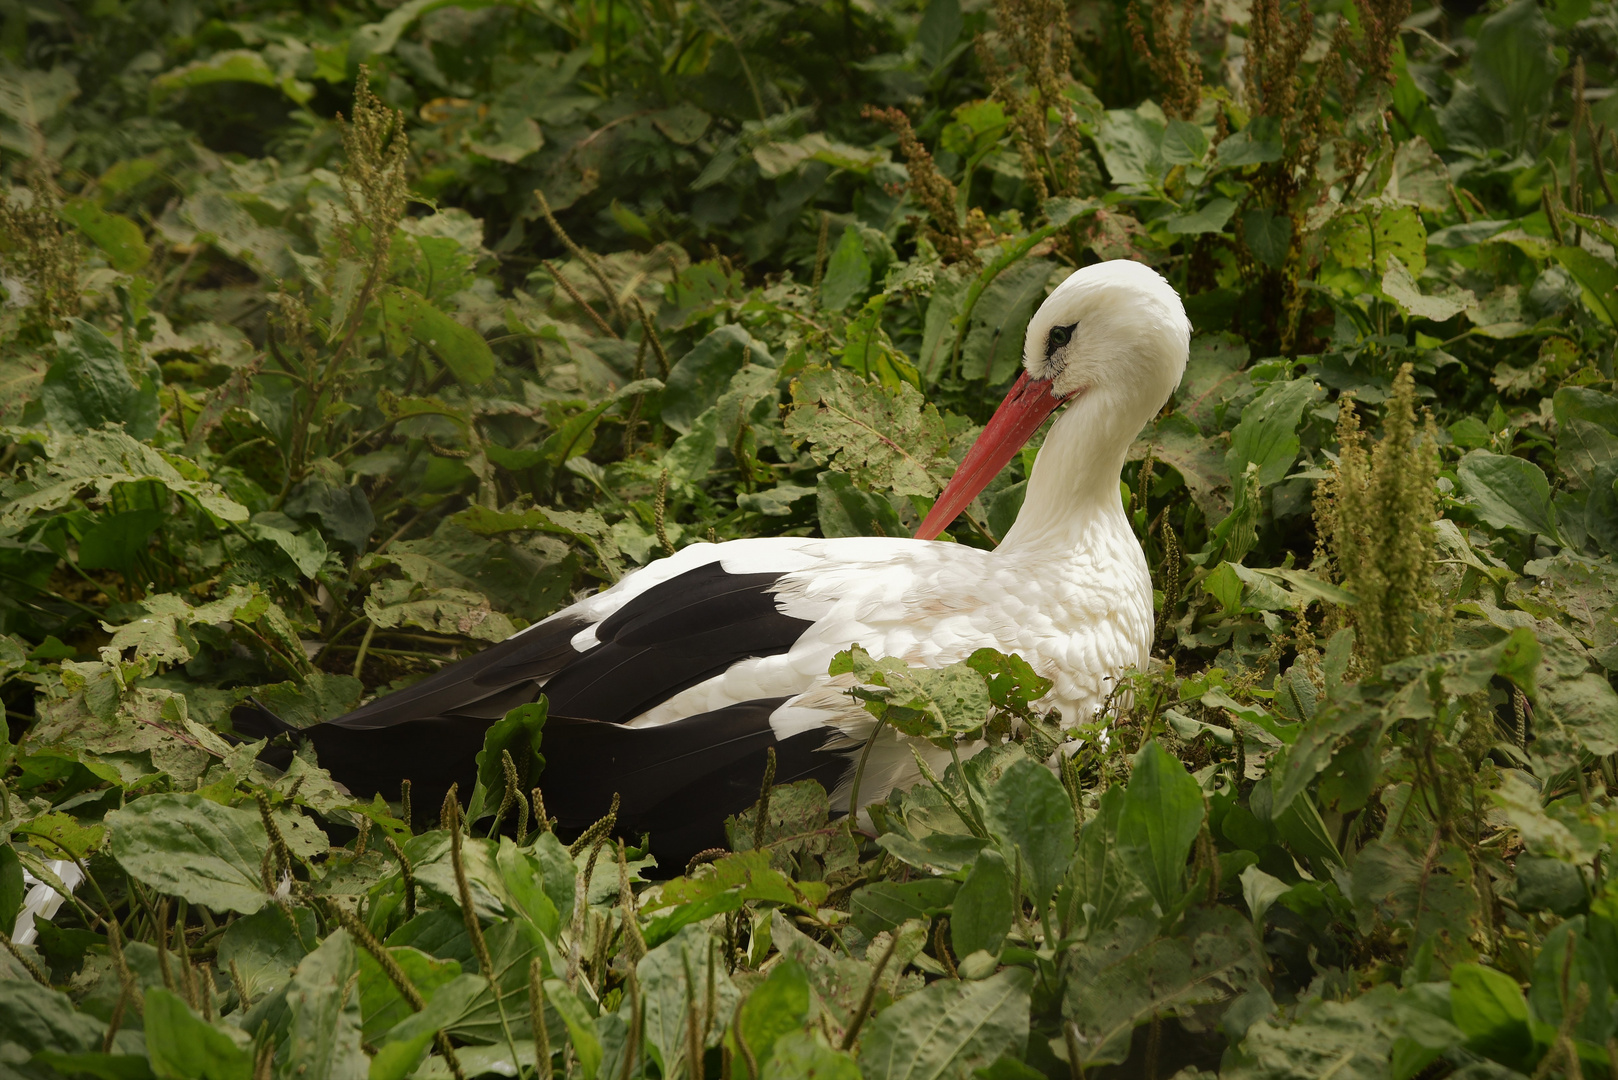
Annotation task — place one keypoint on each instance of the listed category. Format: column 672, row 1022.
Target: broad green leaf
column 940, row 27
column 1100, row 887
column 1268, row 236
column 518, row 733
column 116, row 235
column 699, row 377
column 324, row 1037
column 777, row 1007
column 1515, row 64
column 1489, row 1007
column 12, row 888
column 89, row 385
column 882, row 437
column 461, row 348
column 993, row 349
column 231, row 65
column 187, row 846
column 1160, row 818
column 1258, row 142
column 1597, row 277
column 672, row 975
column 266, row 945
column 183, row 1046
column 1268, row 433
column 845, row 510
column 800, row 1056
column 1399, row 285
column 848, row 272
column 381, row 1004
column 1380, row 1035
column 884, row 905
column 981, row 915
column 1119, row 980
column 35, row 1018
column 1567, row 959
column 1030, row 817
column 1509, row 492
column 1425, row 894
column 1210, row 217
column 948, row 1029
column 1130, row 141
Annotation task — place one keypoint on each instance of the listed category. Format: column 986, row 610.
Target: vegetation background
column 341, row 339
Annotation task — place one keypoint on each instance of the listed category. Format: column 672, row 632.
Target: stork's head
column 1113, row 336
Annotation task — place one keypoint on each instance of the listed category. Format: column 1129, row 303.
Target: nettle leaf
column 188, row 846
column 1429, row 894
column 884, row 437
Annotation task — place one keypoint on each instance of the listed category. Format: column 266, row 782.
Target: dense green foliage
column 339, row 340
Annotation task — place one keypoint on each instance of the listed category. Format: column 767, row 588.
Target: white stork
column 669, row 687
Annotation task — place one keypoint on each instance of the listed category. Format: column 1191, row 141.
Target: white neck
column 1074, row 483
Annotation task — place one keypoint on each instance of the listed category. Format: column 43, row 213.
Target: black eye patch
column 1059, row 336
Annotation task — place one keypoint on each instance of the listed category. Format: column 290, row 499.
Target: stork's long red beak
column 1011, row 426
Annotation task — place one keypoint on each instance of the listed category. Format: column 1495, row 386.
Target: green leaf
column 1509, row 493
column 12, row 888
column 116, row 235
column 1120, row 980
column 35, row 1018
column 461, row 348
column 89, row 385
column 982, row 913
column 1130, row 141
column 324, row 1039
column 883, row 437
column 183, row 1046
column 993, row 348
column 1430, row 894
column 948, row 1029
column 231, row 65
column 940, row 28
column 778, row 1006
column 1029, row 815
column 266, row 945
column 1597, row 278
column 848, row 272
column 1161, row 816
column 884, row 905
column 671, row 976
column 845, row 510
column 518, row 733
column 190, row 847
column 1258, row 142
column 1268, row 236
column 1268, row 433
column 1210, row 217
column 1399, row 285
column 381, row 1004
column 1515, row 64
column 800, row 1056
column 699, row 377
column 1489, row 1007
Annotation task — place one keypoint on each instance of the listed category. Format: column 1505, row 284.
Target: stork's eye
column 1060, row 335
